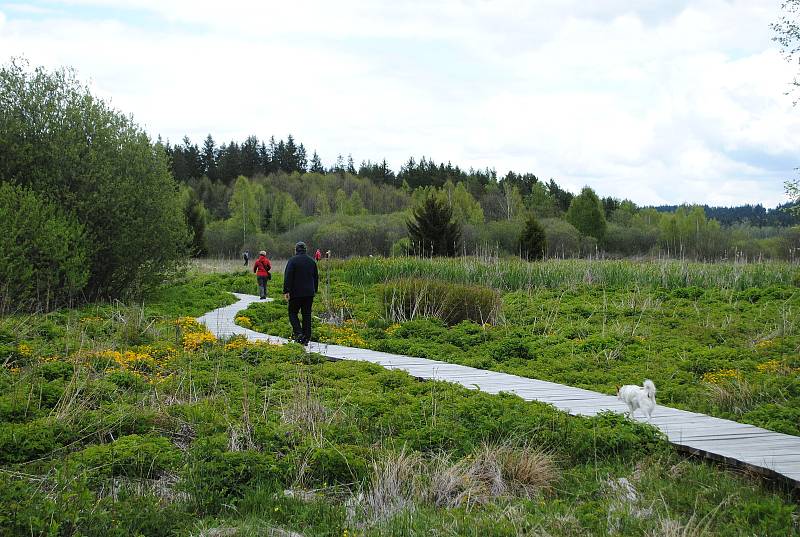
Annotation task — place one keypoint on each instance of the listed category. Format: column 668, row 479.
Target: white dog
column 643, row 397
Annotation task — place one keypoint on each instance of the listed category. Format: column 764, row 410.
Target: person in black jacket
column 300, row 284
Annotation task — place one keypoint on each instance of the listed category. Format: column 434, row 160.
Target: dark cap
column 300, row 247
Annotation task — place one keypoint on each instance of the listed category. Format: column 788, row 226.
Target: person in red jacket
column 317, row 255
column 261, row 267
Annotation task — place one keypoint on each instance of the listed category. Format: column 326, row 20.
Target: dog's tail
column 650, row 389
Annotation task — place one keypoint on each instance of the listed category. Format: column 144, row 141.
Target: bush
column 563, row 240
column 215, row 477
column 27, row 441
column 61, row 141
column 532, row 241
column 350, row 235
column 339, row 464
column 131, row 456
column 501, row 234
column 452, row 303
column 630, row 240
column 44, row 261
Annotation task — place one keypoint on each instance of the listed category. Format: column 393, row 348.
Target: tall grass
column 511, row 274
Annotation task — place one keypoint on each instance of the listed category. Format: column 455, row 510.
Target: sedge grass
column 512, row 274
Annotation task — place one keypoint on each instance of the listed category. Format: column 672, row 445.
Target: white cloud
column 655, row 101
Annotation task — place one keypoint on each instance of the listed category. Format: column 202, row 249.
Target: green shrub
column 215, row 477
column 26, row 510
column 130, row 456
column 56, row 370
column 452, row 303
column 22, row 442
column 339, row 463
column 62, row 142
column 44, row 261
column 532, row 240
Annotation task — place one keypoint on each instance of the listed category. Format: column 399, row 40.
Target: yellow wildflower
column 244, row 321
column 194, row 340
column 721, row 376
column 189, row 324
column 392, row 329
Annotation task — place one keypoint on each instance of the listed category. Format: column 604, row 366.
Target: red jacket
column 317, row 255
column 262, row 266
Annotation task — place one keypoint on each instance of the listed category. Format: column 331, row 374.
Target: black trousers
column 301, row 304
column 262, row 286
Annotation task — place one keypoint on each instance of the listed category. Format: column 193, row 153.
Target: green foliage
column 244, row 207
column 793, row 191
column 196, row 217
column 214, row 476
column 99, row 166
column 532, row 241
column 452, row 303
column 213, row 443
column 432, row 229
column 630, row 240
column 22, row 442
column 688, row 232
column 345, row 464
column 587, row 215
column 130, row 456
column 44, row 251
column 563, row 239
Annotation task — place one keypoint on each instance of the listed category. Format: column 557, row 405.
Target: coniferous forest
column 241, row 196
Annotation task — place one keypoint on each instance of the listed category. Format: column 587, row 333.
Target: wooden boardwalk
column 738, row 444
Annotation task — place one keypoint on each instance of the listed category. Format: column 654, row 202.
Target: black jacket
column 300, row 277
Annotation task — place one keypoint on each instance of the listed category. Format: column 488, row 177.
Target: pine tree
column 532, row 241
column 351, row 167
column 433, row 230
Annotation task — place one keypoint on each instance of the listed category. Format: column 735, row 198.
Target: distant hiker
column 246, row 256
column 300, row 284
column 261, row 267
column 317, row 255
column 328, row 254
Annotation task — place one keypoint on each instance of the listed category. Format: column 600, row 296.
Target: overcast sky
column 658, row 101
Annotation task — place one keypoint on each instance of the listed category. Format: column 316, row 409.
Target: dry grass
column 393, row 488
column 694, row 527
column 491, row 471
column 735, row 395
column 455, row 484
column 132, row 325
column 527, row 470
column 305, row 409
column 163, row 488
column 404, row 480
column 214, row 265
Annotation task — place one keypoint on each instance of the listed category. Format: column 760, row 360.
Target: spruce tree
column 433, row 230
column 316, row 164
column 532, row 241
column 208, row 158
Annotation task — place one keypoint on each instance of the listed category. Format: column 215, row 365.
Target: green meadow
column 130, row 419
